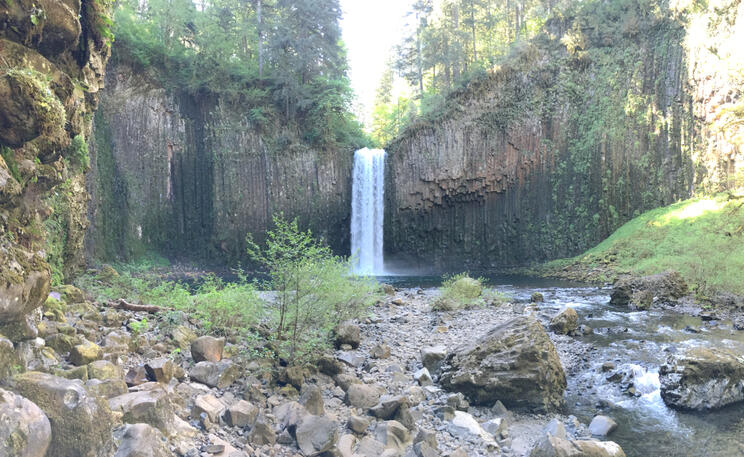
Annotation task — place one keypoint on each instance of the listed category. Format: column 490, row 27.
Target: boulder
column 8, row 358
column 432, row 357
column 85, row 353
column 464, row 425
column 380, row 351
column 552, row 446
column 107, row 388
column 289, row 415
column 103, row 370
column 160, row 369
column 389, row 406
column 392, row 435
column 262, row 433
column 358, row 424
column 537, row 297
column 241, row 414
column 142, row 440
column 183, row 336
column 312, row 399
column 702, row 379
column 152, row 407
column 81, row 424
column 347, row 333
column 514, row 362
column 602, row 426
column 207, row 348
column 422, row 377
column 642, row 292
column 25, row 430
column 210, row 405
column 565, row 322
column 215, row 374
column 316, row 434
column 362, row 395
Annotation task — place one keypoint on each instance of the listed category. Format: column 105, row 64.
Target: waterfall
column 367, row 208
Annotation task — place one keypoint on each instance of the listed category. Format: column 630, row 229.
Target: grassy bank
column 701, row 238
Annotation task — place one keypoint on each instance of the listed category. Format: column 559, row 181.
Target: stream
column 637, row 343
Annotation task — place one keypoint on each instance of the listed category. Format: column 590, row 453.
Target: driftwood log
column 123, row 304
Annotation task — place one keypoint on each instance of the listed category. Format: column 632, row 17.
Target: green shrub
column 314, row 291
column 459, row 291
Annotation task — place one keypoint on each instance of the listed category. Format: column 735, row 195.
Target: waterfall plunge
column 367, row 211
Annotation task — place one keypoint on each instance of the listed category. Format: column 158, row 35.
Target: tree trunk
column 259, row 26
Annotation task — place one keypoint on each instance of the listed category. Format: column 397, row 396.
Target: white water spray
column 367, row 211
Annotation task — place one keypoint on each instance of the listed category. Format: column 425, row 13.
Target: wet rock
column 312, row 399
column 515, row 362
column 160, row 370
column 552, row 446
column 565, row 322
column 537, row 297
column 85, row 353
column 362, row 395
column 241, row 414
column 380, row 351
column 25, row 429
column 602, row 426
column 151, row 407
column 142, row 440
column 81, row 424
column 215, row 374
column 316, row 434
column 207, row 349
column 702, row 378
column 432, row 357
column 642, row 292
column 347, row 333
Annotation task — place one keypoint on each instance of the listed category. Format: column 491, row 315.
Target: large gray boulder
column 316, row 435
column 24, row 428
column 565, row 322
column 552, row 446
column 642, row 292
column 702, row 379
column 142, row 440
column 514, row 362
column 152, row 407
column 81, row 425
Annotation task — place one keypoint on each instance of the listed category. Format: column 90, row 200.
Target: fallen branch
column 123, row 304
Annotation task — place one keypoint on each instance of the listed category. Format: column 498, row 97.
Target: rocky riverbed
column 406, row 381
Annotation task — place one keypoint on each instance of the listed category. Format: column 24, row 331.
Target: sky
column 370, row 29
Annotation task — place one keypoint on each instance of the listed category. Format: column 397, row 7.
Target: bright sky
column 371, row 28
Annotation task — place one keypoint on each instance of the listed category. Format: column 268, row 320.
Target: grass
column 462, row 291
column 701, row 238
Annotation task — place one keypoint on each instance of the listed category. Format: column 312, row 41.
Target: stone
column 183, row 336
column 107, row 388
column 345, row 446
column 262, row 433
column 19, row 299
column 207, row 349
column 80, row 424
column 555, row 428
column 71, row 294
column 422, row 377
column 358, row 424
column 351, row 359
column 8, row 358
column 210, row 405
column 215, row 374
column 458, row 402
column 142, row 440
column 424, row 449
column 463, row 424
column 25, row 430
column 316, row 434
column 392, row 435
column 552, row 446
column 565, row 322
column 312, row 399
column 362, row 395
column 380, row 351
column 289, row 415
column 294, row 376
column 537, row 297
column 370, row 447
column 347, row 333
column 241, row 414
column 496, row 427
column 152, row 407
column 329, row 366
column 388, row 406
column 702, row 379
column 104, row 370
column 602, row 426
column 60, row 342
column 642, row 292
column 85, row 353
column 136, row 376
column 432, row 357
column 514, row 362
column 160, row 369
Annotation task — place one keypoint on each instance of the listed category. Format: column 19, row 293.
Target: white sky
column 370, row 29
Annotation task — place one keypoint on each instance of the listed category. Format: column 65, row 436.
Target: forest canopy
column 282, row 59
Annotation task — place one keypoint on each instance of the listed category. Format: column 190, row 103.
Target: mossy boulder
column 18, row 299
column 71, row 294
column 25, row 430
column 81, row 424
column 85, row 353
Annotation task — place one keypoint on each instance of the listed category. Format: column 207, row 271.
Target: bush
column 314, row 291
column 458, row 291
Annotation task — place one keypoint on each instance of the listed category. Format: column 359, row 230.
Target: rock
column 380, row 351
column 345, row 446
column 294, row 375
column 362, row 395
column 142, row 440
column 392, row 435
column 422, row 377
column 370, row 447
column 17, row 300
column 463, row 424
column 432, row 357
column 358, row 424
column 602, row 426
column 537, row 297
column 151, row 407
column 85, row 353
column 207, row 349
column 565, row 322
column 160, row 370
column 104, row 370
column 80, row 424
column 514, row 362
column 351, row 359
column 136, row 376
column 457, row 401
column 215, row 374
column 642, row 292
column 702, row 378
column 497, row 427
column 107, row 388
column 459, row 452
column 552, row 446
column 183, row 337
column 210, row 405
column 25, row 430
column 315, row 435
column 347, row 333
column 262, row 432
column 289, row 415
column 8, row 358
column 388, row 406
column 329, row 366
column 312, row 399
column 222, row 448
column 555, row 428
column 241, row 414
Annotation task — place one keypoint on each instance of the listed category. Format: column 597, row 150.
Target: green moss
column 9, row 157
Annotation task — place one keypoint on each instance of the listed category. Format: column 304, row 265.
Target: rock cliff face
column 52, row 60
column 581, row 129
column 190, row 176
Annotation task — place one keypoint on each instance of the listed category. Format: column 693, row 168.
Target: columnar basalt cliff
column 52, row 60
column 578, row 131
column 190, row 176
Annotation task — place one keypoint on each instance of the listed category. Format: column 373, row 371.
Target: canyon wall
column 189, row 176
column 599, row 118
